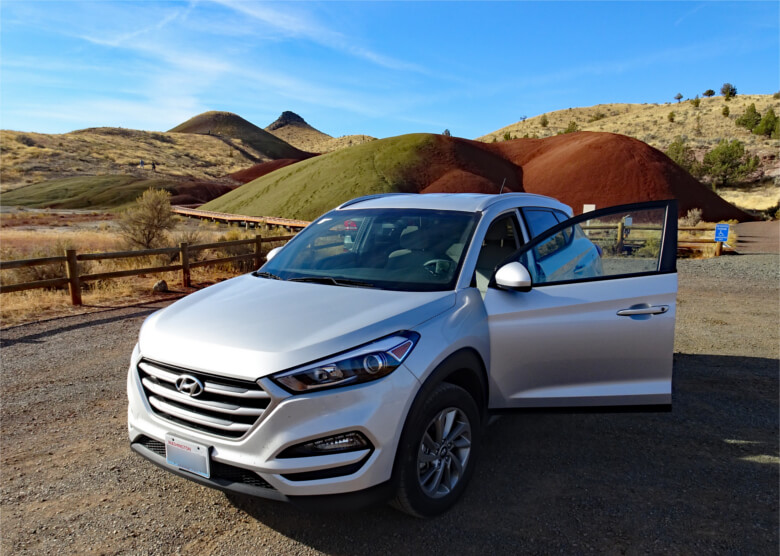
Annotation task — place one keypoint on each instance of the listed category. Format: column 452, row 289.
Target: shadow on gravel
column 58, row 326
column 703, row 478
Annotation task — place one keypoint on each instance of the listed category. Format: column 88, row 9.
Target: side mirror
column 514, row 276
column 272, row 253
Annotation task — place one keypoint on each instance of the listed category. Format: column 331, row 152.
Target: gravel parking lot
column 701, row 479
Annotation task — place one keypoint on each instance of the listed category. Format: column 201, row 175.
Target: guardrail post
column 184, row 258
column 258, row 251
column 74, row 284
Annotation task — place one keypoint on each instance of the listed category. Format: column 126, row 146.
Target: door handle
column 657, row 310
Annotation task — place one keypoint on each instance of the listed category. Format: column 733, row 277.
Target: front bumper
column 249, row 465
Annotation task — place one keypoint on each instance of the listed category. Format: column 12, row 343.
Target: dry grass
column 703, row 126
column 33, row 157
column 30, row 241
column 762, row 197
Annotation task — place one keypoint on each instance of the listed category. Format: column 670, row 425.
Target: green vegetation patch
column 307, row 189
column 84, row 192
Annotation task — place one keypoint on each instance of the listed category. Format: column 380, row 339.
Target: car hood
column 250, row 327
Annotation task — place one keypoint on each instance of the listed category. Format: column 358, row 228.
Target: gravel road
column 701, row 479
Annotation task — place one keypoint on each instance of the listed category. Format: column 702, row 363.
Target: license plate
column 187, row 455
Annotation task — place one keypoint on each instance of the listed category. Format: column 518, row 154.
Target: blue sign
column 721, row 232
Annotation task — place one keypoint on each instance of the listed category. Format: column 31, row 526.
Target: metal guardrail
column 74, row 278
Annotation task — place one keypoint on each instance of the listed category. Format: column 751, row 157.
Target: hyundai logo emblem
column 188, row 384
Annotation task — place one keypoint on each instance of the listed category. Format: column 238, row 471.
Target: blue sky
column 380, row 68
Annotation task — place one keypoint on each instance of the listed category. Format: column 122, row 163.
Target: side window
column 501, row 241
column 560, row 215
column 622, row 243
column 539, row 220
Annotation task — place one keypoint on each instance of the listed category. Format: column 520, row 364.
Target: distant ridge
column 228, row 126
column 293, row 129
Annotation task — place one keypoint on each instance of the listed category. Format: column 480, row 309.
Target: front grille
column 219, row 471
column 226, row 407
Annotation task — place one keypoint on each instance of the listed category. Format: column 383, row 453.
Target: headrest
column 415, row 240
column 496, row 233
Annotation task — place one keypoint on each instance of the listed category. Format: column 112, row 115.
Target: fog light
column 336, row 444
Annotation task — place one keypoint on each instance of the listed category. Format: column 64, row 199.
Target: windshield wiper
column 267, row 275
column 333, row 281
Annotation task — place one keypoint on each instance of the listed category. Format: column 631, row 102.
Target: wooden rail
column 74, row 278
column 241, row 219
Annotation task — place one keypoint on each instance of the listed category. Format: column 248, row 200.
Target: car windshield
column 394, row 249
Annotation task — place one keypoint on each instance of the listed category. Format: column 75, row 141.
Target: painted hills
column 228, row 126
column 578, row 168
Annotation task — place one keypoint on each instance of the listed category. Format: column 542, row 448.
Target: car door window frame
column 667, row 263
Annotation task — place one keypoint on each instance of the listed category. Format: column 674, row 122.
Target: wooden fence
column 74, row 278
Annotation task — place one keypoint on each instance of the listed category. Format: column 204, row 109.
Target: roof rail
column 368, row 198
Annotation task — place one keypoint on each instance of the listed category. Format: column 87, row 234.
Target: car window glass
column 500, row 242
column 560, row 215
column 539, row 220
column 624, row 243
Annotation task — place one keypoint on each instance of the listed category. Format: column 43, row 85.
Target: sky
column 376, row 68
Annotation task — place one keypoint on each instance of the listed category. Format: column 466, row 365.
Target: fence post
column 258, row 250
column 718, row 248
column 74, row 284
column 184, row 257
column 619, row 246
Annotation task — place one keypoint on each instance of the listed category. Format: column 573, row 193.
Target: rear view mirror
column 272, row 253
column 514, row 276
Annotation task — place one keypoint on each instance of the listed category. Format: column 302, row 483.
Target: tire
column 438, row 452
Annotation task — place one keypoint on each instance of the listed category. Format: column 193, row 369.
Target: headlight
column 362, row 364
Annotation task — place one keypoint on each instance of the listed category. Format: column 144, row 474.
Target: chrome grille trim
column 175, row 395
column 222, row 424
column 226, row 408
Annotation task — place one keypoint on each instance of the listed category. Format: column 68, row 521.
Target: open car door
column 590, row 320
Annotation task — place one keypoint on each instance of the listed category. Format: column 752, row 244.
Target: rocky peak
column 287, row 118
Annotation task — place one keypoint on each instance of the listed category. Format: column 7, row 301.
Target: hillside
column 703, row 126
column 408, row 163
column 109, row 192
column 34, row 157
column 601, row 168
column 230, row 127
column 293, row 129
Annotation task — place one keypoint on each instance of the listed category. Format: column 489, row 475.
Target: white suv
column 361, row 362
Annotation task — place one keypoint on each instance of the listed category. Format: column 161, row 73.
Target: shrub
column 728, row 91
column 146, row 225
column 691, row 218
column 682, row 154
column 749, row 119
column 670, row 116
column 725, row 111
column 728, row 162
column 596, row 117
column 776, row 95
column 26, row 140
column 696, row 101
column 767, row 125
column 709, row 93
column 447, row 133
column 507, row 136
column 571, row 128
column 544, row 122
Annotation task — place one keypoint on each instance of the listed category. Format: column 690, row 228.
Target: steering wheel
column 438, row 267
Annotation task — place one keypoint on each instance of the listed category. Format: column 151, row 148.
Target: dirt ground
column 702, row 479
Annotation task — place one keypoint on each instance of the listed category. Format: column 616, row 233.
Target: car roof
column 464, row 202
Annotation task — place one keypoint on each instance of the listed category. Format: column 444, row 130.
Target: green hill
column 99, row 192
column 109, row 192
column 417, row 162
column 227, row 126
